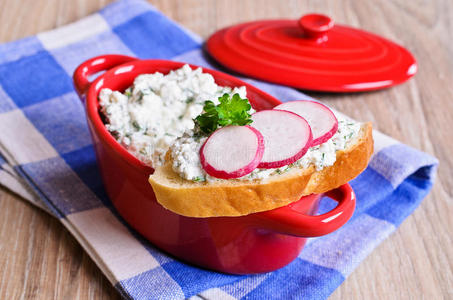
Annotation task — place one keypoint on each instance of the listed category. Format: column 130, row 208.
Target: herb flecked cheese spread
column 156, row 114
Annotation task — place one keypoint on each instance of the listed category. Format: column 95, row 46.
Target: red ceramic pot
column 254, row 243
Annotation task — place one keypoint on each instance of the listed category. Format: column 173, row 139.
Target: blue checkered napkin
column 44, row 140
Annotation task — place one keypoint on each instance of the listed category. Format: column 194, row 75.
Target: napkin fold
column 46, row 156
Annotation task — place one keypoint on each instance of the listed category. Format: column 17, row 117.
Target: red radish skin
column 232, row 152
column 287, row 137
column 322, row 120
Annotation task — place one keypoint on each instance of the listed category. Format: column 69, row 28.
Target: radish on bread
column 287, row 137
column 235, row 197
column 322, row 120
column 232, row 151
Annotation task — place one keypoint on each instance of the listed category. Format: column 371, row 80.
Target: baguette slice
column 241, row 197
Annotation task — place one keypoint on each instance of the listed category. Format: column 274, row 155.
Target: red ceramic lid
column 312, row 53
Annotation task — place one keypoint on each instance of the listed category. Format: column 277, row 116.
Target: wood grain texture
column 40, row 260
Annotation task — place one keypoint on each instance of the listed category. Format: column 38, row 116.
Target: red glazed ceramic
column 312, row 53
column 254, row 243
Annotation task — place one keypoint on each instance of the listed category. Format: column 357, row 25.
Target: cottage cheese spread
column 157, row 109
column 186, row 158
column 156, row 114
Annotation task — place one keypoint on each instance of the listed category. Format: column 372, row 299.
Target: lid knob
column 316, row 26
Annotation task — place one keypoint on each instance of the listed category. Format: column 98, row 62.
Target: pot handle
column 95, row 65
column 289, row 221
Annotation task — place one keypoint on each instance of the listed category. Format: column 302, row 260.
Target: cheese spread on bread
column 157, row 109
column 186, row 159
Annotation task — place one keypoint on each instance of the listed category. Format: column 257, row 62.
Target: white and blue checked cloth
column 47, row 157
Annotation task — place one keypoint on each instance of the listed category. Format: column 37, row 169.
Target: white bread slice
column 235, row 197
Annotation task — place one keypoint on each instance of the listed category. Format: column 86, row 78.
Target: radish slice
column 232, row 151
column 322, row 120
column 287, row 137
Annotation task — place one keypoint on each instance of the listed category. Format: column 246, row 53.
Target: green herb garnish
column 231, row 111
column 115, row 134
column 198, row 179
column 128, row 93
column 140, row 98
column 136, row 125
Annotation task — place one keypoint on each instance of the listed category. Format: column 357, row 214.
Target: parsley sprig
column 230, row 111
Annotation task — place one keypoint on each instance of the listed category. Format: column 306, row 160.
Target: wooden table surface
column 39, row 259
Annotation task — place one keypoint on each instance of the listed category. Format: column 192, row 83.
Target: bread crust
column 238, row 197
